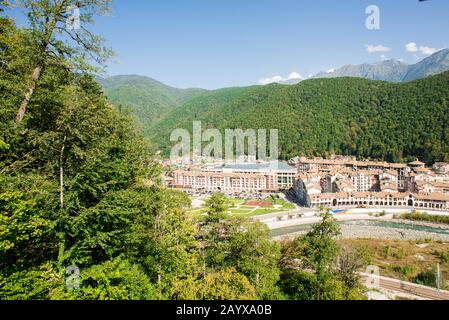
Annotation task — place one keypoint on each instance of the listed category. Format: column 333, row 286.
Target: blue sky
column 222, row 43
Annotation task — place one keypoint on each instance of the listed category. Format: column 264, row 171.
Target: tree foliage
column 321, row 117
column 79, row 187
column 316, row 268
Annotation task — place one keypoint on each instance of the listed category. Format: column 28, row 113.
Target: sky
column 222, row 43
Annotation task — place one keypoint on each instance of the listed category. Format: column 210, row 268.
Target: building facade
column 343, row 181
column 237, row 178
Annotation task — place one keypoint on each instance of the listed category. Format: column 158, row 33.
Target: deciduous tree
column 54, row 21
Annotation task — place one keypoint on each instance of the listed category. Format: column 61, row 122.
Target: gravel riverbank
column 381, row 233
column 384, row 233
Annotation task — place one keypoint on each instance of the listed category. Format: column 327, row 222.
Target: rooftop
column 266, row 166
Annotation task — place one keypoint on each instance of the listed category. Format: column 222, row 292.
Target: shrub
column 418, row 216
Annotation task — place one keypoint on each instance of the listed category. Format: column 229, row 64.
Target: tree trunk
column 61, row 175
column 26, row 100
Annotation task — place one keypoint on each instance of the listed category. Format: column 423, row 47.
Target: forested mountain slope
column 366, row 118
column 148, row 99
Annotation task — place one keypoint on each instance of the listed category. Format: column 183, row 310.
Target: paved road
column 407, row 287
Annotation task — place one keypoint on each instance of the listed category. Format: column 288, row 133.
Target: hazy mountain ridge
column 436, row 63
column 389, row 70
column 394, row 70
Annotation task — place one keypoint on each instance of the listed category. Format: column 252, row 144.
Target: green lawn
column 260, row 212
column 240, row 211
column 238, row 208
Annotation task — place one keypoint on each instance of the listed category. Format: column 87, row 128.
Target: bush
column 443, row 256
column 426, row 278
column 407, row 271
column 115, row 280
column 418, row 216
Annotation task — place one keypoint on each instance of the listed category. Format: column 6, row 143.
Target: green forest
column 80, row 190
column 320, row 117
column 148, row 99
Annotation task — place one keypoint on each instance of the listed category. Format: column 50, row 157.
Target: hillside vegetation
column 371, row 119
column 84, row 215
column 148, row 99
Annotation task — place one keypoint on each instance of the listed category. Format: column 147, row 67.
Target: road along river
column 357, row 223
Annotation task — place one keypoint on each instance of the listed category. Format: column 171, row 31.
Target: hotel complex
column 346, row 182
column 336, row 182
column 269, row 177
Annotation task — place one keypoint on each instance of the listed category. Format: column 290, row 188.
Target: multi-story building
column 347, row 182
column 339, row 162
column 441, row 168
column 237, row 178
column 432, row 201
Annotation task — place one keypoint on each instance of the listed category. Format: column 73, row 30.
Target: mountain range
column 393, row 70
column 320, row 117
column 336, row 112
column 148, row 99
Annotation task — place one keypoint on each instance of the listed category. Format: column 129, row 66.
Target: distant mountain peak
column 434, row 64
column 393, row 70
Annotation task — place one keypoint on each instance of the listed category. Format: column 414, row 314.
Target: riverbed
column 377, row 229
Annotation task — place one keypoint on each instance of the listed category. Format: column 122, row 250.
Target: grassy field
column 406, row 260
column 238, row 207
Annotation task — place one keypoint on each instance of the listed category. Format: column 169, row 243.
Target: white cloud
column 294, row 76
column 330, row 71
column 270, row 80
column 427, row 51
column 383, row 57
column 413, row 47
column 375, row 49
column 277, row 79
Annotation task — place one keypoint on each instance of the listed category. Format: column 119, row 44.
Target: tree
column 349, row 263
column 117, row 279
column 217, row 207
column 27, row 222
column 169, row 249
column 310, row 265
column 252, row 252
column 305, row 285
column 318, row 248
column 214, row 232
column 226, row 284
column 51, row 24
column 3, row 5
column 34, row 283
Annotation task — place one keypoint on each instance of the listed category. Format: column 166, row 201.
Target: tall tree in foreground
column 54, row 21
column 311, row 268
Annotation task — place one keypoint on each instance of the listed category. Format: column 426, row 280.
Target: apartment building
column 237, row 178
column 343, row 181
column 381, row 199
column 441, row 168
